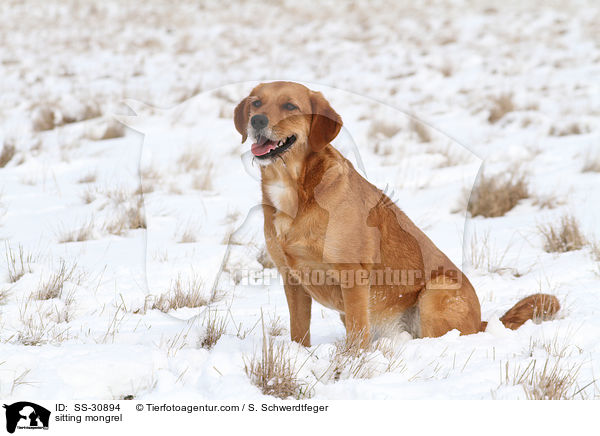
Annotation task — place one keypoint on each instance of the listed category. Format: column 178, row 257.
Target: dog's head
column 285, row 117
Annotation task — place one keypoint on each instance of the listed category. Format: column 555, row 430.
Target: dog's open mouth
column 264, row 147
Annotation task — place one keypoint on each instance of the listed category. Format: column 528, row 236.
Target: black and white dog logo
column 26, row 415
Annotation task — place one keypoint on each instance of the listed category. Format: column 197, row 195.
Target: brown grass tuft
column 500, row 107
column 129, row 217
column 496, row 195
column 595, row 248
column 188, row 235
column 8, row 152
column 275, row 327
column 88, row 178
column 349, row 360
column 53, row 286
column 568, row 129
column 3, row 296
column 183, row 294
column 37, row 327
column 83, row 233
column 591, row 165
column 421, row 130
column 191, row 159
column 112, row 129
column 89, row 195
column 214, row 328
column 484, row 255
column 547, row 201
column 264, row 259
column 44, row 118
column 552, row 381
column 452, row 156
column 118, row 195
column 383, row 129
column 273, row 370
column 203, row 178
column 17, row 264
column 563, row 236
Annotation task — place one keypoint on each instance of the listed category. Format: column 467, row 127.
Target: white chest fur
column 284, row 199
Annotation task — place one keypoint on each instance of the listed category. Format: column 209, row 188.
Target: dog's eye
column 289, row 107
column 257, row 103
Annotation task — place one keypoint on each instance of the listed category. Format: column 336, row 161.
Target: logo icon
column 26, row 415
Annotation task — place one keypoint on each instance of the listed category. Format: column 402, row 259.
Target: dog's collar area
column 264, row 147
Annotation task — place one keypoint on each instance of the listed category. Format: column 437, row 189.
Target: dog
column 341, row 241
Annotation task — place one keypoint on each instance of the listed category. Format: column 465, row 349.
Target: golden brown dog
column 339, row 240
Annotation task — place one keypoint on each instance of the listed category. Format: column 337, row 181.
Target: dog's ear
column 326, row 123
column 240, row 118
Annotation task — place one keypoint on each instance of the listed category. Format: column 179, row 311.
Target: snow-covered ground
column 125, row 215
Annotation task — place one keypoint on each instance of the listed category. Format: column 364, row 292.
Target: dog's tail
column 538, row 307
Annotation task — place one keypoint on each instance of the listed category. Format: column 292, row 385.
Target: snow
column 173, row 75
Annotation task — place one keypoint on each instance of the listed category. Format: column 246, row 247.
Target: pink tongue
column 262, row 149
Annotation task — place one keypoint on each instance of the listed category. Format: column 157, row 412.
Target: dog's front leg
column 299, row 303
column 356, row 308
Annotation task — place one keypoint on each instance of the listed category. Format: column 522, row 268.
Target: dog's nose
column 259, row 121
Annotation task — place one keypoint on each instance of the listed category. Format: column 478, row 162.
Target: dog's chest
column 285, row 200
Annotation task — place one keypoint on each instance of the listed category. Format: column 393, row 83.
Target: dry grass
column 150, row 177
column 591, row 165
column 85, row 232
column 214, row 326
column 204, row 176
column 547, row 201
column 191, row 159
column 48, row 115
column 484, row 255
column 88, row 109
column 447, row 69
column 188, row 235
column 274, row 371
column 64, row 314
column 88, row 178
column 568, row 129
column 3, row 296
column 563, row 236
column 552, row 381
column 20, row 380
column 53, row 286
column 383, row 149
column 188, row 293
column 109, row 130
column 89, row 195
column 118, row 195
column 557, row 346
column 595, row 248
column 129, row 217
column 8, row 152
column 349, row 360
column 264, row 259
column 231, row 217
column 500, row 107
column 383, row 129
column 17, row 264
column 494, row 196
column 420, row 129
column 453, row 156
column 37, row 327
column 276, row 327
column 44, row 118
